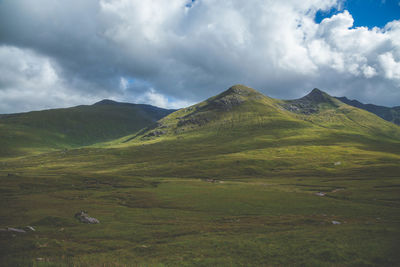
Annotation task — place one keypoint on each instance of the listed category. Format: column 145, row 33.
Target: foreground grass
column 157, row 208
column 172, row 221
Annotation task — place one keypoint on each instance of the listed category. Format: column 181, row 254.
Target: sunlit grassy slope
column 40, row 131
column 230, row 181
column 242, row 132
column 390, row 114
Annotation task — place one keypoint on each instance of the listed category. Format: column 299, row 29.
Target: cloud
column 29, row 81
column 159, row 100
column 179, row 52
column 390, row 66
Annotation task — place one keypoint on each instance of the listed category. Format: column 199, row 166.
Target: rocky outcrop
column 227, row 102
column 83, row 217
column 13, row 230
column 309, row 104
column 234, row 96
column 155, row 133
column 196, row 120
column 17, row 230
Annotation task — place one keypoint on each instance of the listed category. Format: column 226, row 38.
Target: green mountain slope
column 244, row 110
column 238, row 109
column 242, row 132
column 71, row 127
column 328, row 112
column 386, row 113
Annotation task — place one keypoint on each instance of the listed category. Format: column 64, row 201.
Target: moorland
column 240, row 179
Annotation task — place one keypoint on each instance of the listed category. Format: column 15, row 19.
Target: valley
column 238, row 179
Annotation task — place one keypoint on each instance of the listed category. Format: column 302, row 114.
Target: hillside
column 72, row 127
column 239, row 179
column 244, row 109
column 386, row 113
column 246, row 133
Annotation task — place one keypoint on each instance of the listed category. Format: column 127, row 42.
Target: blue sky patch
column 368, row 13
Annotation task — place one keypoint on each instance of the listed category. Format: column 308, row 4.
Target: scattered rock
column 45, row 245
column 320, row 194
column 337, row 190
column 155, row 133
column 193, row 120
column 338, row 163
column 309, row 104
column 15, row 230
column 336, row 222
column 211, row 180
column 30, row 228
column 83, row 217
column 228, row 102
column 162, row 126
column 301, row 108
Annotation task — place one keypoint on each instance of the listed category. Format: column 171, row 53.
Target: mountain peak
column 317, row 96
column 106, row 102
column 317, row 91
column 240, row 89
column 311, row 103
column 234, row 96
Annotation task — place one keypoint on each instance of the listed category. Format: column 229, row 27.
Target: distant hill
column 71, row 127
column 386, row 113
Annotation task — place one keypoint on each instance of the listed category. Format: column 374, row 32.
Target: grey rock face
column 155, row 133
column 13, row 230
column 196, row 120
column 30, row 228
column 83, row 217
column 309, row 104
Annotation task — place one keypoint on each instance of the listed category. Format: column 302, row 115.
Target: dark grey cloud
column 169, row 53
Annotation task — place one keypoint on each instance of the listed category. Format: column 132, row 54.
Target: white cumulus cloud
column 170, row 53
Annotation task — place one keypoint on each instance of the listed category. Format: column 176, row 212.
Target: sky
column 175, row 53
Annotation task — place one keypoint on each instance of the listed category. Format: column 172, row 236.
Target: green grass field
column 231, row 181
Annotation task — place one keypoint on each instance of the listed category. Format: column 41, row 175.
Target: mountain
column 386, row 113
column 265, row 134
column 72, row 127
column 243, row 107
